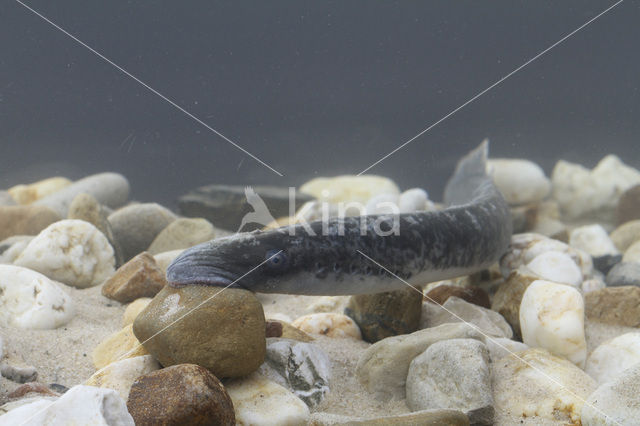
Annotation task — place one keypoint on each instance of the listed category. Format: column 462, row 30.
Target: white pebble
column 414, row 200
column 520, row 181
column 552, row 317
column 593, row 239
column 328, row 324
column 614, row 356
column 30, row 300
column 259, row 401
column 120, row 375
column 382, row 204
column 70, row 251
column 556, row 266
column 80, row 405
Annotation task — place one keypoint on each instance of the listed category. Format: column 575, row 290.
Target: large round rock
column 181, row 394
column 221, row 330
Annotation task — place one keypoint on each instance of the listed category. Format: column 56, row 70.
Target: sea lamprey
column 363, row 254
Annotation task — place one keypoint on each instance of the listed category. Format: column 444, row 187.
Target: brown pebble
column 31, row 387
column 139, row 277
column 629, row 205
column 474, row 295
column 179, row 395
column 274, row 329
column 614, row 305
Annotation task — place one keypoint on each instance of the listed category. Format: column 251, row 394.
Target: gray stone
column 624, row 273
column 382, row 367
column 629, row 205
column 615, row 402
column 137, row 225
column 452, row 374
column 499, row 347
column 386, row 314
column 181, row 234
column 457, row 310
column 305, row 368
column 606, row 262
column 19, row 374
column 110, row 189
column 226, row 205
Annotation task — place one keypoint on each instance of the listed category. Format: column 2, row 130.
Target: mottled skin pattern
column 429, row 246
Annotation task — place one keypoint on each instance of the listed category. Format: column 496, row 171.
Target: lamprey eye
column 276, row 259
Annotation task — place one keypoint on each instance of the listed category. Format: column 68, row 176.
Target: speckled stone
column 179, row 395
column 224, row 330
column 386, row 314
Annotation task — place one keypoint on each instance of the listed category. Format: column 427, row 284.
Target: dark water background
column 311, row 87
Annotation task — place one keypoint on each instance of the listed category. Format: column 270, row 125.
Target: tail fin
column 470, row 174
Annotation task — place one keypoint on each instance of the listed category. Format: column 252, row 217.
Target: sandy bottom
column 63, row 355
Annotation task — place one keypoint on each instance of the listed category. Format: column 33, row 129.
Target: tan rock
column 626, row 234
column 507, row 299
column 25, row 220
column 120, row 345
column 329, row 324
column 422, row 418
column 181, row 234
column 614, row 305
column 221, row 330
column 25, row 194
column 120, row 375
column 278, row 328
column 133, row 309
column 139, row 277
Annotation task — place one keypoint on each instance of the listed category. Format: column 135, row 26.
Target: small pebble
column 382, row 367
column 615, row 402
column 139, row 277
column 441, row 293
column 606, row 262
column 133, row 309
column 522, row 389
column 386, row 314
column 19, row 374
column 285, row 330
column 499, row 347
column 626, row 234
column 81, row 405
column 552, row 317
column 137, row 225
column 592, row 239
column 304, row 368
column 632, row 254
column 623, row 274
column 25, row 220
column 328, row 324
column 452, row 374
column 109, row 189
column 181, row 234
column 180, row 394
column 508, row 297
column 556, row 266
column 30, row 300
column 612, row 357
column 118, row 346
column 70, row 251
column 349, row 188
column 628, row 205
column 614, row 306
column 258, row 401
column 520, row 181
column 120, row 375
column 31, row 388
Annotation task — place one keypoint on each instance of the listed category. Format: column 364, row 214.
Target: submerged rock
column 182, row 233
column 452, row 374
column 180, row 394
column 328, row 324
column 386, row 314
column 225, row 205
column 139, row 277
column 615, row 402
column 71, row 251
column 612, row 357
column 120, row 375
column 30, row 300
column 614, row 305
column 25, row 220
column 221, row 330
column 520, row 181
